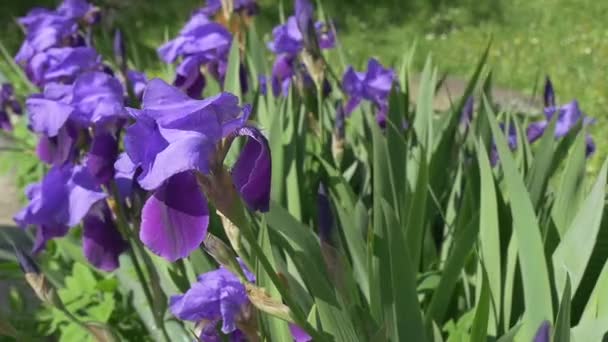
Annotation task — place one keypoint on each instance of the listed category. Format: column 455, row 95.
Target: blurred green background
column 566, row 39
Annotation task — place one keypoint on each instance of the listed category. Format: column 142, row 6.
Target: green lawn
column 566, row 39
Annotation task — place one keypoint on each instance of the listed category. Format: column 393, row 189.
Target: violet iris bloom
column 61, row 64
column 542, row 335
column 47, row 30
column 283, row 71
column 174, row 138
column 374, row 85
column 568, row 116
column 216, row 296
column 220, row 296
column 95, row 99
column 8, row 104
column 66, row 196
column 247, row 7
column 199, row 43
column 287, row 38
column 137, row 82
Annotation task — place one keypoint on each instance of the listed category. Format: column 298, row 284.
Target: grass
column 566, row 39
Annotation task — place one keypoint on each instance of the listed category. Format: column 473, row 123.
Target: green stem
column 240, row 220
column 123, row 227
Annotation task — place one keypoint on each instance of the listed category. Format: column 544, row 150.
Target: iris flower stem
column 240, row 220
column 123, row 226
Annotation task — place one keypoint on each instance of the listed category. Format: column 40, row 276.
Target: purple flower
column 287, row 38
column 568, row 116
column 216, row 296
column 298, row 334
column 199, row 43
column 248, row 7
column 542, row 335
column 252, row 169
column 95, row 99
column 102, row 244
column 8, row 104
column 48, row 30
column 61, row 64
column 283, row 71
column 79, row 10
column 60, row 200
column 373, row 85
column 175, row 137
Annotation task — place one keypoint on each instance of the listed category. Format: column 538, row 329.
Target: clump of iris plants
column 263, row 191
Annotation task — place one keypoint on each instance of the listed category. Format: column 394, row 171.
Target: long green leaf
column 572, row 254
column 232, row 82
column 403, row 281
column 562, row 323
column 489, row 234
column 537, row 292
column 479, row 330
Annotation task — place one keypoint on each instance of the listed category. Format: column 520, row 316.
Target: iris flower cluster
column 136, row 161
column 105, row 157
column 298, row 34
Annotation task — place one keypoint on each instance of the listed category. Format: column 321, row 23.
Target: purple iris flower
column 8, row 104
column 374, row 85
column 287, row 38
column 248, row 7
column 61, row 200
column 174, row 138
column 61, row 64
column 283, row 71
column 568, row 116
column 199, row 43
column 220, row 296
column 48, row 30
column 79, row 10
column 216, row 296
column 95, row 99
column 542, row 334
column 102, row 244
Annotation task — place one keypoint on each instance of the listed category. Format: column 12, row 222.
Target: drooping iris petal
column 218, row 295
column 175, row 218
column 303, row 13
column 251, row 173
column 101, row 157
column 102, row 244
